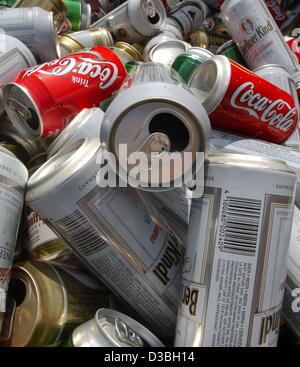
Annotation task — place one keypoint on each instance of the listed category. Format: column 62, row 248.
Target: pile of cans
column 149, row 172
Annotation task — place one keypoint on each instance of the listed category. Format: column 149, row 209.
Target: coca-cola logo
column 276, row 113
column 277, row 12
column 106, row 71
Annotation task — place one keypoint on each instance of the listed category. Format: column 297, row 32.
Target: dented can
column 110, row 328
column 137, row 259
column 235, row 262
column 43, row 100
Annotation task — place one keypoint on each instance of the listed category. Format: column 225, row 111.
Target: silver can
column 172, row 5
column 172, row 28
column 14, row 57
column 13, row 178
column 134, row 20
column 257, row 35
column 161, row 37
column 190, row 16
column 111, row 232
column 85, row 125
column 110, row 328
column 168, row 119
column 235, row 260
column 35, row 28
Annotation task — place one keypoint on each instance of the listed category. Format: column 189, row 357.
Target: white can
column 35, row 28
column 111, row 232
column 85, row 125
column 13, row 178
column 257, row 35
column 134, row 20
column 235, row 260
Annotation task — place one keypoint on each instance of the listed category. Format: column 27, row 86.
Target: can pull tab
column 6, row 319
column 151, row 8
column 127, row 335
column 19, row 108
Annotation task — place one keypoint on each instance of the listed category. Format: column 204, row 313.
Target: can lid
column 203, row 53
column 155, row 41
column 131, row 50
column 167, row 51
column 12, row 42
column 70, row 43
column 123, row 331
column 146, row 16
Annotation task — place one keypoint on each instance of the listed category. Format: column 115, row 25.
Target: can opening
column 33, row 122
column 17, row 291
column 155, row 19
column 173, row 127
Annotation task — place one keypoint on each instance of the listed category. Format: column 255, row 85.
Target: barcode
column 79, row 233
column 242, row 226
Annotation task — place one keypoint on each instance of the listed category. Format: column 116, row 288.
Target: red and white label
column 277, row 11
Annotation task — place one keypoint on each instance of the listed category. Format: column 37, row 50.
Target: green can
column 7, row 3
column 131, row 66
column 231, row 50
column 74, row 13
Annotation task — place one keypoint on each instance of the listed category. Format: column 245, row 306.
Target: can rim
column 174, row 44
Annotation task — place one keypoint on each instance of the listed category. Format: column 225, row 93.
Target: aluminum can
column 185, row 64
column 35, row 28
column 79, row 13
column 7, row 3
column 277, row 11
column 172, row 5
column 190, row 16
column 14, row 57
column 43, row 100
column 127, row 52
column 216, row 4
column 137, row 259
column 231, row 50
column 291, row 301
column 170, row 120
column 204, row 39
column 294, row 45
column 57, row 7
column 48, row 298
column 160, row 38
column 167, row 51
column 108, row 5
column 110, row 328
column 130, row 67
column 242, row 102
column 85, row 125
column 77, row 41
column 235, row 260
column 257, row 34
column 172, row 29
column 215, row 25
column 134, row 20
column 13, row 178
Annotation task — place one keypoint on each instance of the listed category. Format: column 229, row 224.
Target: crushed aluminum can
column 35, row 28
column 239, row 101
column 110, row 328
column 43, row 100
column 134, row 20
column 235, row 261
column 169, row 120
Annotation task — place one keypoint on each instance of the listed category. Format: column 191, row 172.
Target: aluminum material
column 86, row 15
column 156, row 41
column 152, row 103
column 257, row 34
column 167, row 51
column 128, row 256
column 35, row 28
column 92, row 37
column 126, row 52
column 224, row 263
column 111, row 328
column 134, row 20
column 85, row 125
column 208, row 40
column 13, row 178
column 49, row 299
column 172, row 28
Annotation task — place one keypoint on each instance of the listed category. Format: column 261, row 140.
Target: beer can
column 215, row 24
column 85, row 125
column 79, row 13
column 14, row 57
column 190, row 16
column 277, row 11
column 134, row 20
column 127, row 52
column 230, row 50
column 57, row 7
column 44, row 99
column 172, row 28
column 204, row 39
column 35, row 28
column 294, row 45
column 136, row 258
column 291, row 301
column 50, row 300
column 169, row 120
column 185, row 64
column 77, row 41
column 256, row 34
column 235, row 260
column 161, row 37
column 110, row 328
column 167, row 51
column 13, row 178
column 237, row 100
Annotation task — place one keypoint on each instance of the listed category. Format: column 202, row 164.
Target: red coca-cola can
column 277, row 11
column 44, row 99
column 237, row 100
column 294, row 44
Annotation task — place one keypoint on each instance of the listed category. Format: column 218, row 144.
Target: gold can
column 208, row 40
column 50, row 303
column 127, row 52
